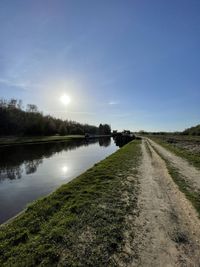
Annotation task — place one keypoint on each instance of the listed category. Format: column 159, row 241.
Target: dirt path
column 189, row 172
column 167, row 230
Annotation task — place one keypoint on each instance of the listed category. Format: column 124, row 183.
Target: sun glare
column 64, row 169
column 65, row 99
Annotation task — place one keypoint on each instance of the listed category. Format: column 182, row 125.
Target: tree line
column 20, row 121
column 195, row 130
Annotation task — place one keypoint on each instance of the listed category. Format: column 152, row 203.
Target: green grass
column 6, row 141
column 193, row 158
column 80, row 224
column 148, row 149
column 192, row 194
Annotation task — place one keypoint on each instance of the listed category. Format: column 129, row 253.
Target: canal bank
column 80, row 224
column 25, row 140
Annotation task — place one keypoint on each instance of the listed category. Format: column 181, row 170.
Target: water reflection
column 121, row 140
column 65, row 169
column 31, row 171
column 105, row 141
column 16, row 160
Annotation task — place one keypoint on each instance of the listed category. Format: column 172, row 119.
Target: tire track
column 189, row 172
column 167, row 231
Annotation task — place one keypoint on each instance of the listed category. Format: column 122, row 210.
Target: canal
column 28, row 172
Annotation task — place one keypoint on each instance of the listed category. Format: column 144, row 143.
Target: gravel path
column 167, row 229
column 189, row 172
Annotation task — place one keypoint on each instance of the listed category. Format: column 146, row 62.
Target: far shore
column 16, row 140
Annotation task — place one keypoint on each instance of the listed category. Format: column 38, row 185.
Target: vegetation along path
column 167, row 231
column 191, row 174
column 138, row 207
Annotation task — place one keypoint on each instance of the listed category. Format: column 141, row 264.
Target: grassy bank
column 80, row 224
column 7, row 141
column 193, row 158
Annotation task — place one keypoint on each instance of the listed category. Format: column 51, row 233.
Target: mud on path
column 167, row 229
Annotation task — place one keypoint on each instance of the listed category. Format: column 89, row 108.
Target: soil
column 189, row 172
column 167, row 229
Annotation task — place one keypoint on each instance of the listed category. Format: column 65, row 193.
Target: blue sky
column 134, row 64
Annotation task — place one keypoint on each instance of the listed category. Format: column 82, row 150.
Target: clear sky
column 133, row 64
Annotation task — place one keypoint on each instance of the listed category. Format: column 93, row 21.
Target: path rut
column 189, row 172
column 167, row 229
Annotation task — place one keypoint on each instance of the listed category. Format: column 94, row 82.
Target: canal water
column 31, row 171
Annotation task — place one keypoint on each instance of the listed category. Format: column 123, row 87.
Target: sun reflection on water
column 65, row 169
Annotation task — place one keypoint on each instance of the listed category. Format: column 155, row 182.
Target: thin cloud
column 13, row 84
column 20, row 85
column 113, row 103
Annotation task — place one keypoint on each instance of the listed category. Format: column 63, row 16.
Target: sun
column 65, row 99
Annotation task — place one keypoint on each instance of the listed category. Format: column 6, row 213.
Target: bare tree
column 32, row 108
column 12, row 103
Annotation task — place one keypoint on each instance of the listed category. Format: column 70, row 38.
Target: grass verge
column 148, row 149
column 193, row 158
column 37, row 139
column 192, row 194
column 80, row 224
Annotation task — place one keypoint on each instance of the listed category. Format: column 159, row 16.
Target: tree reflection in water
column 15, row 160
column 105, row 141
